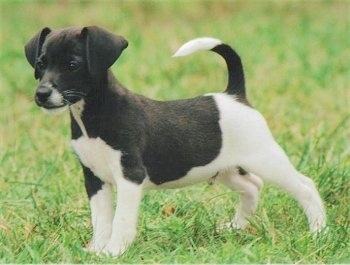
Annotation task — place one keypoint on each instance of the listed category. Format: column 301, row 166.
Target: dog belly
column 188, row 180
column 194, row 176
column 100, row 158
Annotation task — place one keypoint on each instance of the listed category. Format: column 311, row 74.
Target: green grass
column 296, row 57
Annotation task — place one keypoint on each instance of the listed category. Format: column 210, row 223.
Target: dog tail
column 236, row 83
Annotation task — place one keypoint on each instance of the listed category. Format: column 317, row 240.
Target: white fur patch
column 55, row 99
column 99, row 157
column 204, row 43
column 77, row 110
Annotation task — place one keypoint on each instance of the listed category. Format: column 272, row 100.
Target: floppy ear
column 33, row 47
column 102, row 48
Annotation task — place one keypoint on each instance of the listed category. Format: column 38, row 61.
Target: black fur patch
column 92, row 183
column 181, row 135
column 242, row 172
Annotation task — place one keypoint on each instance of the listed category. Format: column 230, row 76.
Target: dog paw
column 234, row 225
column 114, row 250
column 222, row 227
column 96, row 246
column 239, row 222
column 317, row 223
column 318, row 227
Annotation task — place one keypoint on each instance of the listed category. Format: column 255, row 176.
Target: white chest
column 99, row 157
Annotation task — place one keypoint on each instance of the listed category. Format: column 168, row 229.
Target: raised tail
column 236, row 84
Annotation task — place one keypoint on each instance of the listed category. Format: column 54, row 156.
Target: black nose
column 42, row 94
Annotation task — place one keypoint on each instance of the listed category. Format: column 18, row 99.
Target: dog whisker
column 73, row 94
column 73, row 91
column 66, row 102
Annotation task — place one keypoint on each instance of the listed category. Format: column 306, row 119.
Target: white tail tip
column 204, row 43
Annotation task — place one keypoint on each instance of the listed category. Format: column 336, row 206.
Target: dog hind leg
column 272, row 165
column 248, row 186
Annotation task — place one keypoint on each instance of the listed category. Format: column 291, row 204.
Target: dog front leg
column 129, row 196
column 101, row 204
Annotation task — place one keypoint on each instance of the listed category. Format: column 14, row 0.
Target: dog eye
column 73, row 65
column 40, row 65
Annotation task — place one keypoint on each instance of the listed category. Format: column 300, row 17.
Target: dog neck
column 105, row 101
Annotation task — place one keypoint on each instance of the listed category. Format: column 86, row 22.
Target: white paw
column 318, row 226
column 233, row 225
column 223, row 227
column 114, row 250
column 96, row 246
column 239, row 221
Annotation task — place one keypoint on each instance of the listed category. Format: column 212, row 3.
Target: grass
column 296, row 57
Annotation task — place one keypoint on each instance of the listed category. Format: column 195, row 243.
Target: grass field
column 296, row 57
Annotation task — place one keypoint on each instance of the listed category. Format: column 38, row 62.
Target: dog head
column 70, row 62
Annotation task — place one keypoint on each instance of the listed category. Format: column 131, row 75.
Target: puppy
column 135, row 143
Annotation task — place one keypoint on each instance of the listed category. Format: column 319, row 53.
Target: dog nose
column 43, row 93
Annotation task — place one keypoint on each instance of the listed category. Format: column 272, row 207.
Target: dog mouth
column 56, row 110
column 50, row 106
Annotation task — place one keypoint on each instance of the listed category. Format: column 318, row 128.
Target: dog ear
column 33, row 47
column 102, row 48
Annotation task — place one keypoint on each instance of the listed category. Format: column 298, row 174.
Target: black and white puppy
column 135, row 143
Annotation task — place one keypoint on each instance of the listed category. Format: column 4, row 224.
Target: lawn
column 296, row 57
